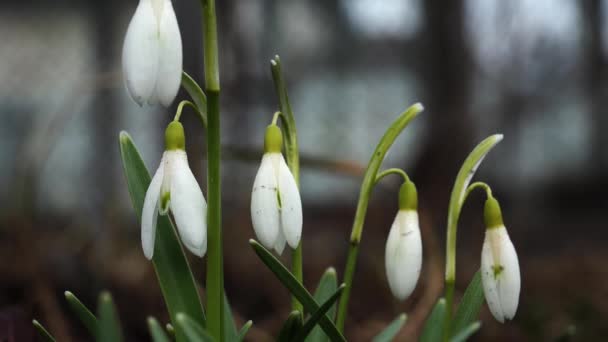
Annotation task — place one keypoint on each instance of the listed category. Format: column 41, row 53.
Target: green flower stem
column 457, row 198
column 215, row 272
column 275, row 117
column 180, row 109
column 478, row 185
column 391, row 171
column 369, row 181
column 293, row 158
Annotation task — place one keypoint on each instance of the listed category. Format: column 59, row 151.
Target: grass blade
column 156, row 331
column 327, row 285
column 389, row 333
column 109, row 326
column 315, row 317
column 42, row 332
column 193, row 331
column 291, row 283
column 230, row 332
column 84, row 314
column 244, row 330
column 172, row 269
column 467, row 332
column 292, row 324
column 470, row 305
column 434, row 325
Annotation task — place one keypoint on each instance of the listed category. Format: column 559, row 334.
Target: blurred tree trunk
column 103, row 126
column 446, row 76
column 595, row 86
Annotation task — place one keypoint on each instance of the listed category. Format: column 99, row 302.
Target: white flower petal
column 264, row 204
column 403, row 254
column 280, row 243
column 170, row 56
column 291, row 205
column 140, row 53
column 188, row 205
column 150, row 213
column 500, row 274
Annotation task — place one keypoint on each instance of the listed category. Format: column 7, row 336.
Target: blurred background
column 534, row 70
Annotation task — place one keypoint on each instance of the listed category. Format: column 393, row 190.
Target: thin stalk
column 293, row 159
column 369, row 180
column 215, row 272
column 180, row 109
column 391, row 171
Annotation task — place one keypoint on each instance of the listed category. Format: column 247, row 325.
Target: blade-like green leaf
column 42, row 332
column 108, row 327
column 327, row 285
column 172, row 270
column 290, row 282
column 292, row 324
column 170, row 329
column 194, row 331
column 389, row 333
column 244, row 330
column 156, row 331
column 196, row 93
column 230, row 332
column 467, row 332
column 470, row 305
column 315, row 317
column 434, row 325
column 84, row 314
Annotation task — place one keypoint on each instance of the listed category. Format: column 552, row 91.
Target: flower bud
column 499, row 265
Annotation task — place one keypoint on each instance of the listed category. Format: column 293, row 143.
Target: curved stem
column 369, row 181
column 457, row 198
column 180, row 108
column 215, row 272
column 293, row 158
column 478, row 185
column 391, row 171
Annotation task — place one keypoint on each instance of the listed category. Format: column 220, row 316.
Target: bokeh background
column 534, row 70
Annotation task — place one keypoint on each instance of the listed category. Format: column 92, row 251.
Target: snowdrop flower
column 276, row 208
column 403, row 256
column 499, row 265
column 174, row 188
column 152, row 53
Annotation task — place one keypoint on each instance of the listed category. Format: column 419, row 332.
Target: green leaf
column 315, row 317
column 291, row 283
column 470, row 305
column 292, row 324
column 42, row 332
column 244, row 330
column 194, row 331
column 108, row 329
column 434, row 325
column 156, row 331
column 389, row 333
column 172, row 269
column 467, row 332
column 230, row 332
column 327, row 285
column 84, row 314
column 196, row 93
column 170, row 329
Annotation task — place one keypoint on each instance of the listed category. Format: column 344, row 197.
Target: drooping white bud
column 403, row 258
column 152, row 53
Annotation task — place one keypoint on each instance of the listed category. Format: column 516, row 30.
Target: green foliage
column 327, row 285
column 470, row 305
column 434, row 325
column 156, row 331
column 84, row 314
column 292, row 325
column 42, row 332
column 108, row 329
column 389, row 333
column 194, row 332
column 292, row 284
column 315, row 317
column 467, row 332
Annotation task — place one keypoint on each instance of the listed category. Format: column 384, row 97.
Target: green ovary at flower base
column 276, row 207
column 152, row 54
column 174, row 188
